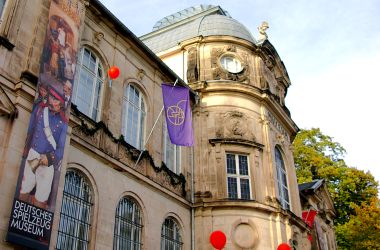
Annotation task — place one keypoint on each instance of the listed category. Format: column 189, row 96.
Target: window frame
column 174, row 243
column 238, row 176
column 279, row 179
column 142, row 110
column 234, row 60
column 68, row 221
column 80, row 66
column 174, row 166
column 134, row 226
column 2, row 10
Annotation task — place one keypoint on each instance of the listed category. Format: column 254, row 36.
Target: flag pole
column 151, row 131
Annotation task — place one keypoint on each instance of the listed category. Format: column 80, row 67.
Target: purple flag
column 178, row 114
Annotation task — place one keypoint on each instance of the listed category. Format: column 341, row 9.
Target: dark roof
column 310, row 186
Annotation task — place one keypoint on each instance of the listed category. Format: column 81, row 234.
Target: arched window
column 172, row 153
column 133, row 116
column 88, row 84
column 74, row 224
column 282, row 179
column 128, row 227
column 171, row 238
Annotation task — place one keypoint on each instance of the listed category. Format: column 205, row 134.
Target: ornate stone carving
column 231, row 48
column 164, row 180
column 140, row 74
column 269, row 79
column 262, row 31
column 91, row 139
column 268, row 200
column 244, row 234
column 215, row 54
column 279, row 128
column 280, row 138
column 125, row 156
column 219, row 73
column 99, row 136
column 98, row 36
column 235, row 124
column 269, row 62
column 192, row 65
column 296, row 237
column 108, row 146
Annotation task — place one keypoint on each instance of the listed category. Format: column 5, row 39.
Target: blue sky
column 331, row 50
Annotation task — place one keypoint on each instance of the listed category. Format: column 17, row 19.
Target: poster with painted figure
column 32, row 214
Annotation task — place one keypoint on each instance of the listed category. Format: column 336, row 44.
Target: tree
column 362, row 231
column 314, row 151
column 317, row 156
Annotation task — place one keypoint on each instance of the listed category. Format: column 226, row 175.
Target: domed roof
column 193, row 22
column 214, row 25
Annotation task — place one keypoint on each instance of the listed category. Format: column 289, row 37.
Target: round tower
column 244, row 176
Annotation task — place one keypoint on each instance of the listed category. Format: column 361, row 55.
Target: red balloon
column 218, row 239
column 113, row 72
column 284, row 246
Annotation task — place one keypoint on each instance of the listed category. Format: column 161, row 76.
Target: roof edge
column 122, row 29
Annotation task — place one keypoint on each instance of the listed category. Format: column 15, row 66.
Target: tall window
column 282, row 180
column 88, row 85
column 172, row 153
column 133, row 117
column 74, row 224
column 128, row 226
column 238, row 186
column 2, row 3
column 170, row 235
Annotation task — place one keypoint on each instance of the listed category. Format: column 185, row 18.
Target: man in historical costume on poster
column 44, row 149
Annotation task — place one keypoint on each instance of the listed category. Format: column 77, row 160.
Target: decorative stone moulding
column 140, row 74
column 99, row 136
column 234, row 124
column 244, row 234
column 98, row 36
column 192, row 73
column 219, row 72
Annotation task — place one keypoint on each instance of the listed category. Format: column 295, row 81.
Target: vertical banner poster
column 178, row 114
column 31, row 218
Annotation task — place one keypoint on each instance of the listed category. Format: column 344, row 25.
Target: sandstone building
column 238, row 178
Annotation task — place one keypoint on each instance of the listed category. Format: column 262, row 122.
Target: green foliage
column 317, row 156
column 362, row 231
column 314, row 150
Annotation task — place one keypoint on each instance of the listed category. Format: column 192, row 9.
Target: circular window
column 231, row 64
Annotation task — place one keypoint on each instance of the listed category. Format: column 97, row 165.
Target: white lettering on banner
column 26, row 227
column 30, row 219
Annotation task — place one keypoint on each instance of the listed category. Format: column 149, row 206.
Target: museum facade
column 121, row 184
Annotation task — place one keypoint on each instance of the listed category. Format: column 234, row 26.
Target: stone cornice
column 254, row 206
column 7, row 108
column 97, row 137
column 264, row 96
column 237, row 141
